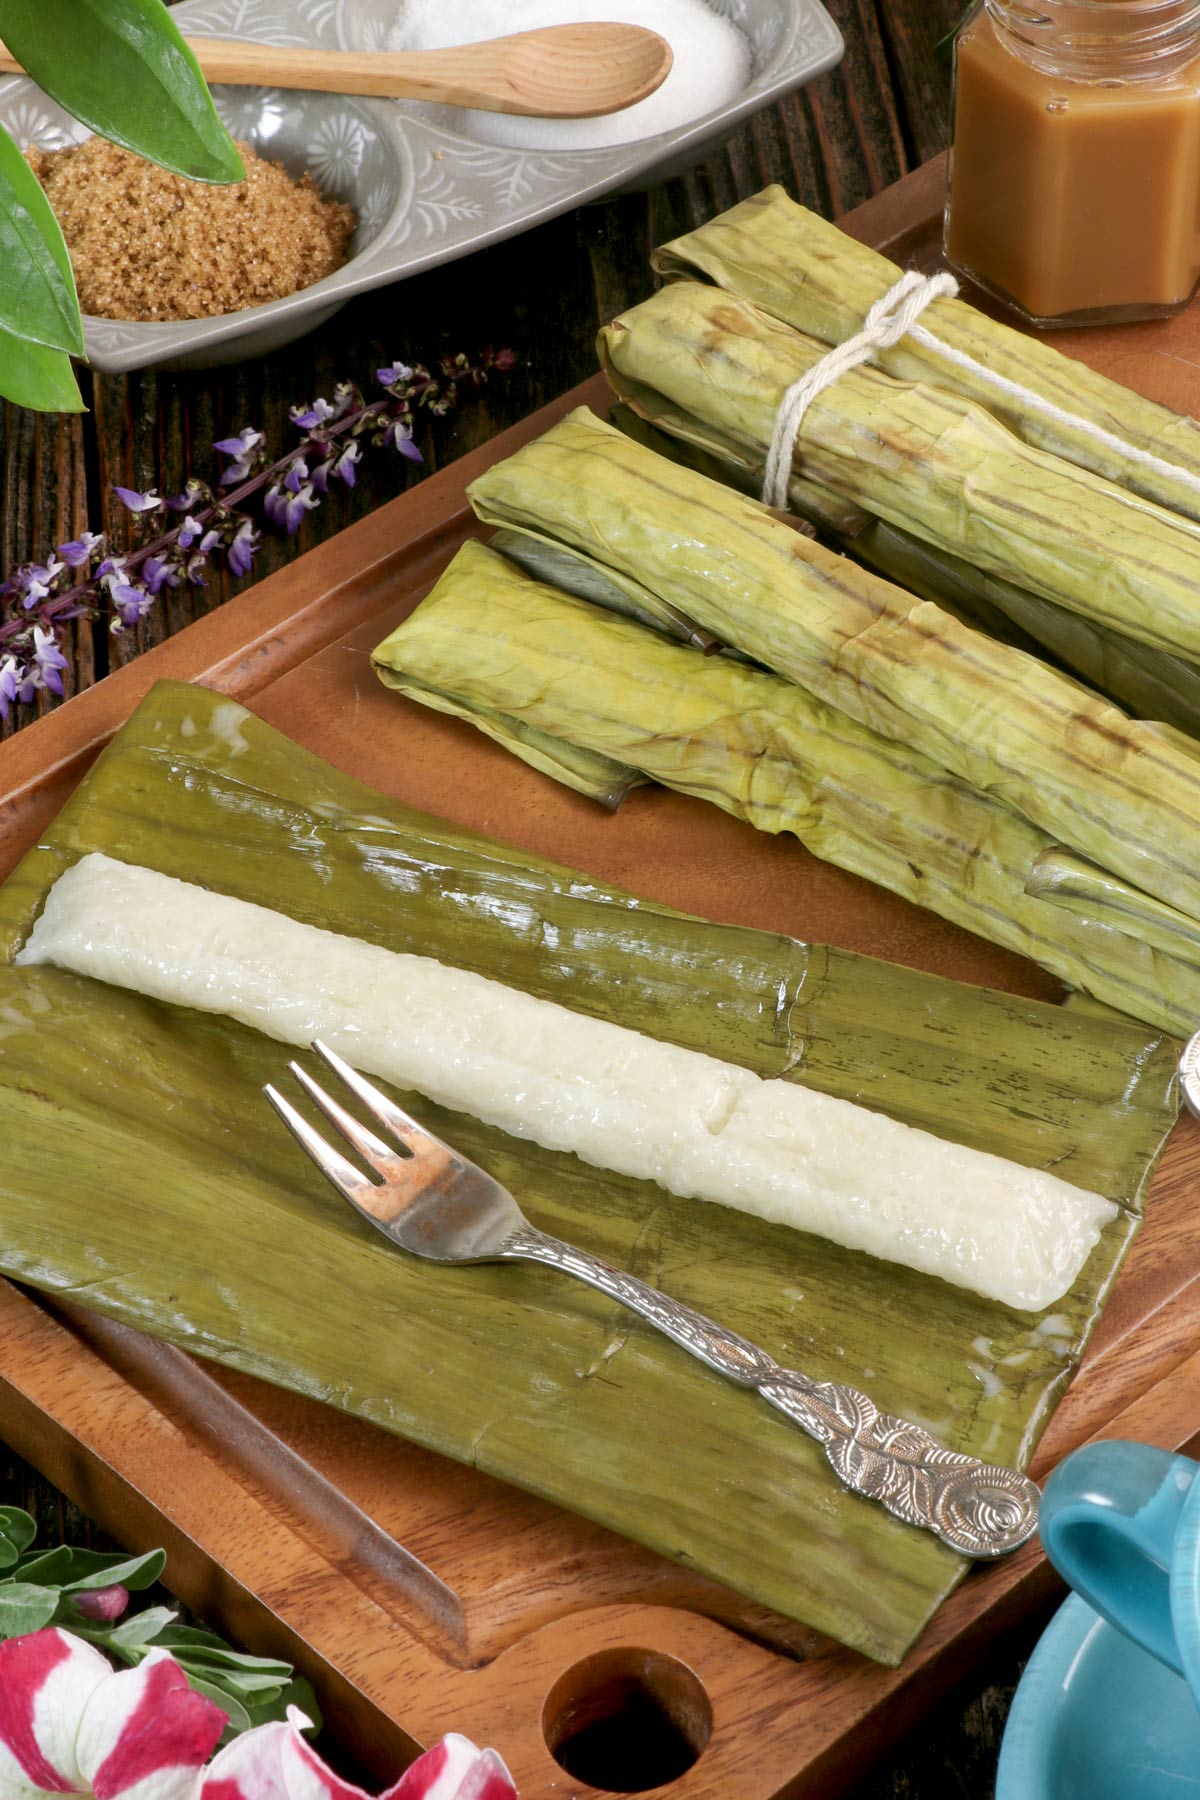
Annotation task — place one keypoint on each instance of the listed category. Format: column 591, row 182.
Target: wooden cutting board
column 418, row 1594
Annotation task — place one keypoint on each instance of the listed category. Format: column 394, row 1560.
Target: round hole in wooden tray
column 627, row 1720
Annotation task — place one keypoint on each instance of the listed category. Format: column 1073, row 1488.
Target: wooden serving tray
column 418, row 1594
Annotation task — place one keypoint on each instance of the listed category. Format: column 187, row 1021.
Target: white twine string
column 893, row 316
column 1034, row 402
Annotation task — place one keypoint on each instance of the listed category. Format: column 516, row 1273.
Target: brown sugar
column 146, row 244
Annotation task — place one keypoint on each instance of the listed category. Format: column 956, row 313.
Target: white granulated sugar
column 711, row 66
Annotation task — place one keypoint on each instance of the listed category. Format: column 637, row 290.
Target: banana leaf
column 925, row 459
column 582, row 576
column 550, row 561
column 1125, row 796
column 764, row 750
column 1061, row 878
column 145, row 1177
column 599, row 777
column 808, row 274
column 1149, row 684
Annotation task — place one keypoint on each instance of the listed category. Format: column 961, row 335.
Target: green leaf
column 245, row 1714
column 100, row 1568
column 33, row 376
column 24, row 1607
column 194, row 1637
column 248, row 1687
column 17, row 1527
column 220, row 1655
column 296, row 1693
column 300, row 1692
column 37, row 288
column 256, row 1679
column 50, row 1567
column 122, row 67
column 180, row 1635
column 140, row 1628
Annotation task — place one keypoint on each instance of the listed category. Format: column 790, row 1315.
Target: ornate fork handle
column 979, row 1509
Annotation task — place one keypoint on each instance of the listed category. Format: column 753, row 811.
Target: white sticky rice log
column 701, row 1128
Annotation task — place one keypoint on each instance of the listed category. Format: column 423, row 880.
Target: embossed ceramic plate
column 424, row 190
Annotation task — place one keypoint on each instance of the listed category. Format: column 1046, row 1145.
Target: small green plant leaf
column 42, row 379
column 200, row 1647
column 242, row 1682
column 24, row 1607
column 49, row 1568
column 37, row 288
column 297, row 1693
column 139, row 1628
column 17, row 1532
column 243, row 1713
column 99, row 1569
column 122, row 68
column 300, row 1693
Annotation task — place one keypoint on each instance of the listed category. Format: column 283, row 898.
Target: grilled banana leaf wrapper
column 695, row 359
column 803, row 271
column 765, row 750
column 149, row 1182
column 1121, row 793
column 1150, row 684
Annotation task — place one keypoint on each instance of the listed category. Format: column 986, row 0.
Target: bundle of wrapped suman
column 977, row 684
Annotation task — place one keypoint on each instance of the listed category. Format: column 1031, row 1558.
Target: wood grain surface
column 850, row 135
column 97, row 1424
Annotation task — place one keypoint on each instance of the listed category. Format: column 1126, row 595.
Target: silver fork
column 434, row 1203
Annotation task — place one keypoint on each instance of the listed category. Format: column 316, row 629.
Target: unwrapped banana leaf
column 804, row 271
column 145, row 1177
column 764, row 750
column 1149, row 684
column 923, row 458
column 1122, row 794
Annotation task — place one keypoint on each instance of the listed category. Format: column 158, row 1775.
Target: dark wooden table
column 881, row 113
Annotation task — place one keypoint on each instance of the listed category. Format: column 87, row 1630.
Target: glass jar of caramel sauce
column 1075, row 163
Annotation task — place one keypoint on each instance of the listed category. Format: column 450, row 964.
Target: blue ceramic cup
column 1121, row 1523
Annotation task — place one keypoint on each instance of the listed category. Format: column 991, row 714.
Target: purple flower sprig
column 87, row 578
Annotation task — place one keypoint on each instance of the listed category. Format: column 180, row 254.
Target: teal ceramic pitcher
column 1121, row 1524
column 1102, row 1712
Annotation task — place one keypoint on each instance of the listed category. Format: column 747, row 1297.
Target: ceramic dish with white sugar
column 426, row 189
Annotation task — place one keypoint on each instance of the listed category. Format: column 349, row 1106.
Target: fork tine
column 380, row 1156
column 348, row 1180
column 403, row 1127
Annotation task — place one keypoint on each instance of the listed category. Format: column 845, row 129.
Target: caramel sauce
column 1073, row 197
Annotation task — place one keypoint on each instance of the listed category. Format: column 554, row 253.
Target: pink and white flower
column 71, row 1724
column 273, row 1762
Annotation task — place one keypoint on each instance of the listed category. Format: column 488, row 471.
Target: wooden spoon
column 559, row 72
